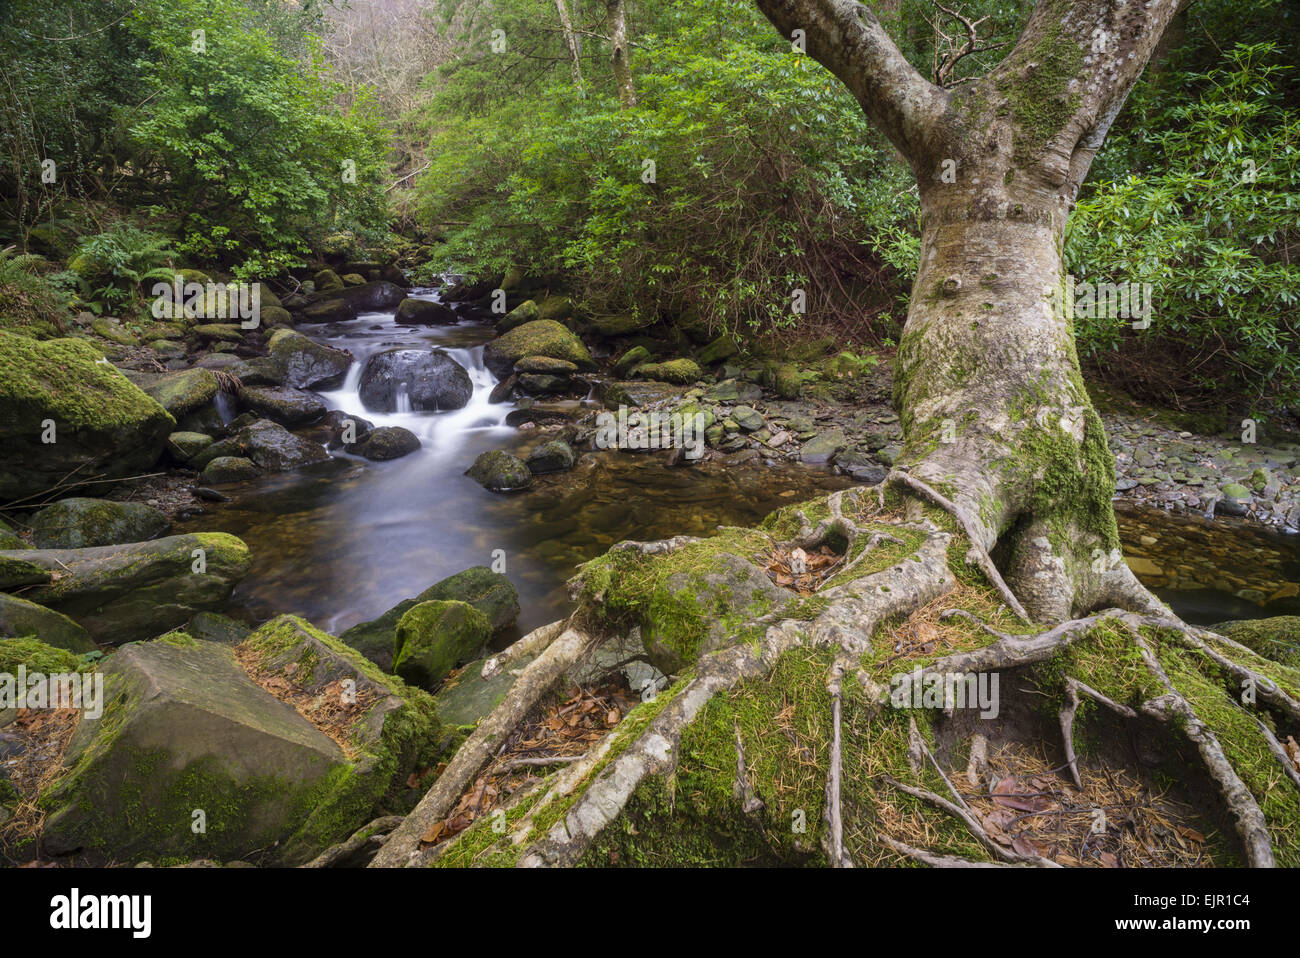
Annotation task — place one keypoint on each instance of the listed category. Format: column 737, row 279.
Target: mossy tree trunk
column 997, row 424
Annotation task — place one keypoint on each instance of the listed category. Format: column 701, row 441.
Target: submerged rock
column 282, row 404
column 433, row 637
column 76, row 523
column 499, row 471
column 387, row 442
column 122, row 593
column 431, row 381
column 101, row 422
column 553, row 456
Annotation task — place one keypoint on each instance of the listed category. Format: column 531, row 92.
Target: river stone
column 223, row 332
column 688, row 612
column 258, row 371
column 558, row 308
column 433, row 381
column 345, row 429
column 121, row 593
column 387, row 442
column 432, row 638
column 525, row 312
column 187, row 728
column 822, row 447
column 553, row 456
column 76, row 523
column 683, row 372
column 353, row 279
column 184, row 446
column 328, row 311
column 367, row 298
column 282, row 404
column 733, row 391
column 489, row 592
column 499, row 471
column 630, row 360
column 539, row 384
column 308, row 364
column 327, row 280
column 639, row 393
column 748, row 418
column 273, row 447
column 542, row 337
column 103, row 423
column 19, row 618
column 423, row 312
column 229, row 469
column 860, row 466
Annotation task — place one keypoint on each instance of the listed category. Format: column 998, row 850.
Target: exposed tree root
column 372, row 835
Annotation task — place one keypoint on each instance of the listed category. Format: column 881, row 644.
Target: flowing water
column 340, row 542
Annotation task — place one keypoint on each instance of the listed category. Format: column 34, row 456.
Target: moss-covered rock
column 327, row 280
column 525, row 312
column 621, row 324
column 387, row 442
column 184, row 446
column 37, row 656
column 16, row 571
column 283, row 404
column 229, row 469
column 432, row 638
column 720, row 350
column 77, row 523
column 185, row 391
column 499, row 471
column 423, row 312
column 64, row 408
column 121, row 593
column 630, row 360
column 19, row 618
column 553, row 456
column 542, row 337
column 546, row 364
column 787, row 382
column 682, row 372
column 187, row 731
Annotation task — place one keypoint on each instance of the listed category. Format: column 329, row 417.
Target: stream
column 342, row 541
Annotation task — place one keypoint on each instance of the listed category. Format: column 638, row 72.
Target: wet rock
column 308, row 364
column 259, row 371
column 327, row 280
column 733, row 391
column 282, row 404
column 367, row 298
column 546, row 364
column 19, row 618
column 76, row 523
column 387, row 442
column 499, row 471
column 525, row 312
column 328, row 311
column 860, row 467
column 748, row 418
column 501, row 391
column 720, row 350
column 433, row 637
column 621, row 324
column 553, row 456
column 539, row 384
column 136, row 591
column 103, row 423
column 537, row 338
column 424, row 312
column 222, row 332
column 345, row 429
column 822, row 448
column 224, row 469
column 215, row 627
column 431, row 381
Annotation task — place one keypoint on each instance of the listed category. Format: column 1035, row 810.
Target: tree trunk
column 570, row 42
column 996, row 420
column 620, row 55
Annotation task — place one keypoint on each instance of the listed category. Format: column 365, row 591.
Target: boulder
column 541, row 337
column 19, row 618
column 77, row 523
column 192, row 728
column 432, row 638
column 431, row 381
column 308, row 364
column 184, row 446
column 139, row 590
column 489, row 592
column 630, row 360
column 327, row 280
column 546, row 364
column 366, row 298
column 258, row 371
column 387, row 442
column 16, row 571
column 553, row 456
column 282, row 404
column 63, row 389
column 499, row 471
column 423, row 312
column 621, row 324
column 525, row 312
column 229, row 469
column 682, row 372
column 720, row 350
column 328, row 311
column 269, row 445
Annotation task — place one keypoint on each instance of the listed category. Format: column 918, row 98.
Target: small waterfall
column 403, row 399
column 225, row 405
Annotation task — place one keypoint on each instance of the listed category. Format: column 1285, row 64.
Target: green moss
column 36, row 656
column 1035, row 89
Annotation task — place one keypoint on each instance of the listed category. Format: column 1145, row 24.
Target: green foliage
column 110, row 266
column 29, row 301
column 766, row 178
column 1209, row 225
column 258, row 161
